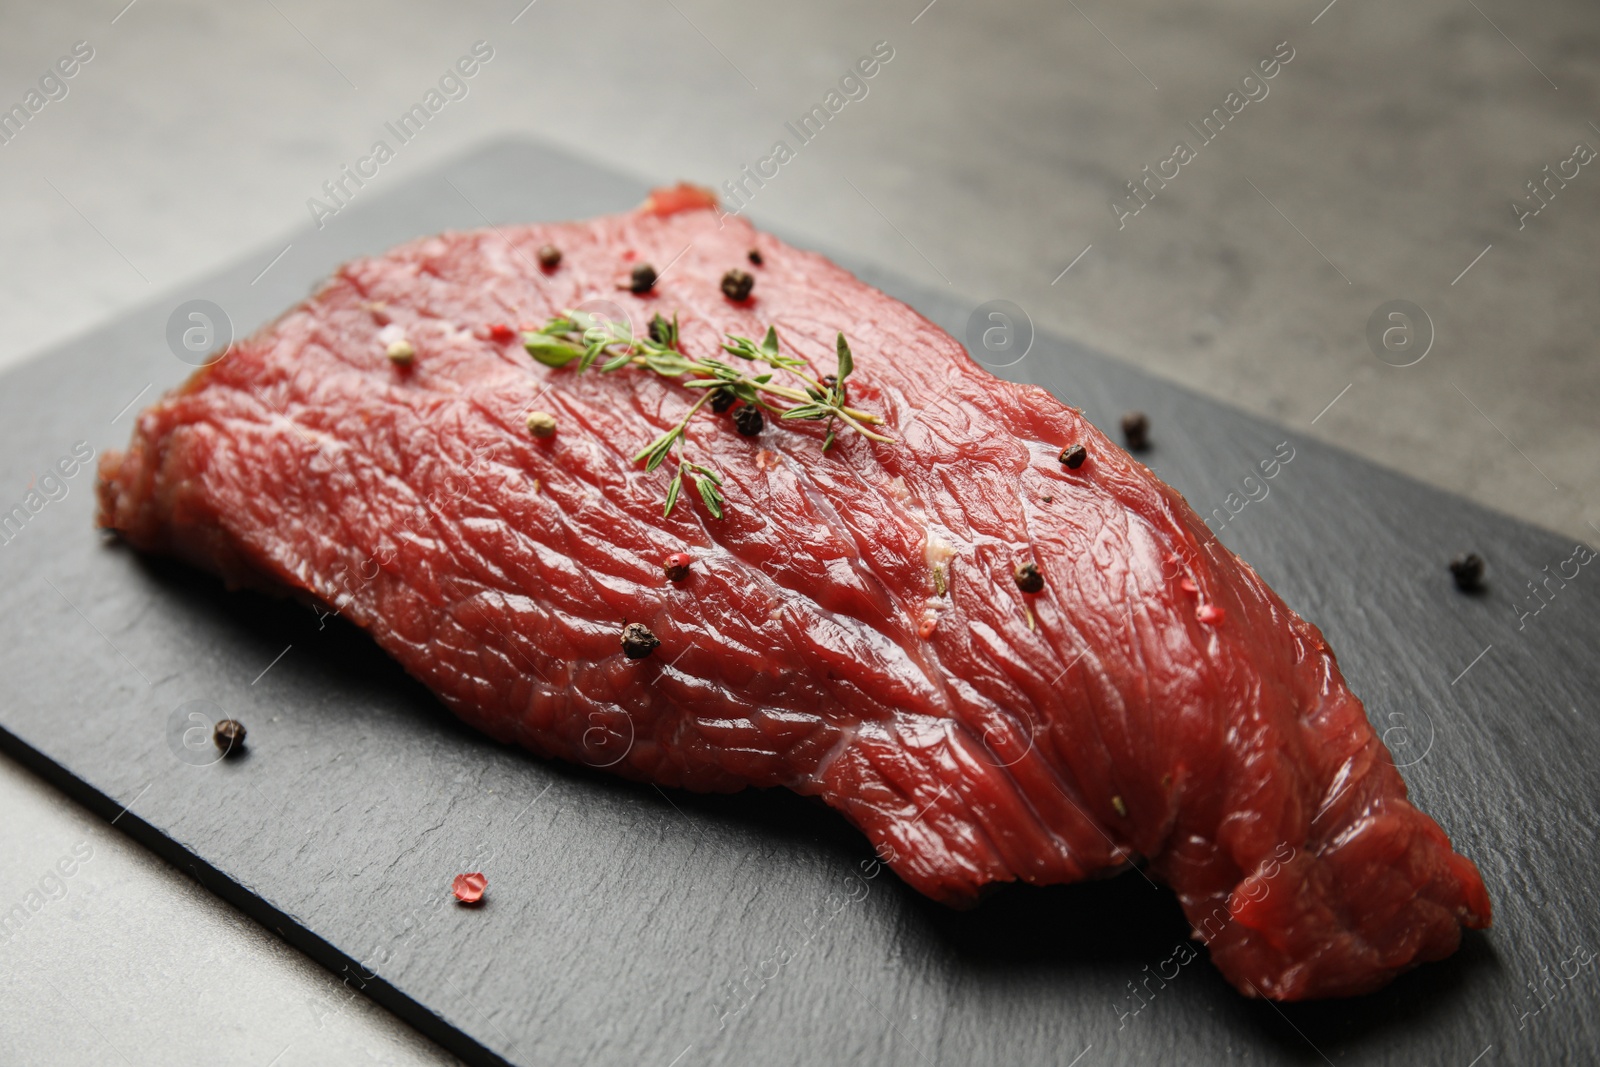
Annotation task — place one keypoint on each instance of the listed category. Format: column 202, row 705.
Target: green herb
column 706, row 480
column 653, row 453
column 582, row 340
column 664, row 333
column 829, row 402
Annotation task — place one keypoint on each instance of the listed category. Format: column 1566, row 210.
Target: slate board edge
column 418, row 1015
column 408, row 1009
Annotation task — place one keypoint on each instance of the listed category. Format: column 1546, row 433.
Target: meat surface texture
column 852, row 629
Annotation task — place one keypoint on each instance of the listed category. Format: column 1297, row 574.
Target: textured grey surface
column 130, row 960
column 1394, row 140
column 627, row 924
column 986, row 155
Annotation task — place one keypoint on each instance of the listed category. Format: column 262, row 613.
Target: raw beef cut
column 999, row 665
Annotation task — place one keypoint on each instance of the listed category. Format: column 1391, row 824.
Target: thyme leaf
column 674, row 487
column 846, row 363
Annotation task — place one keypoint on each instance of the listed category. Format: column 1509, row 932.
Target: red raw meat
column 1155, row 703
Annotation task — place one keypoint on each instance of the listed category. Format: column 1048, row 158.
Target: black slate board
column 630, row 925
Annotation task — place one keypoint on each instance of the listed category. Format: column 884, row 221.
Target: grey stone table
column 1385, row 159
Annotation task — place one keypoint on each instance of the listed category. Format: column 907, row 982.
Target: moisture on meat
column 852, row 629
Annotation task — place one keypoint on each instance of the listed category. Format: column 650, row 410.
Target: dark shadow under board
column 627, row 924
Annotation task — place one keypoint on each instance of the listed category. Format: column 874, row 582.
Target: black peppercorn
column 747, row 420
column 1136, row 430
column 549, row 257
column 637, row 641
column 722, row 399
column 1029, row 580
column 1467, row 569
column 755, row 256
column 229, row 735
column 1073, row 456
column 736, row 285
column 660, row 329
column 643, row 278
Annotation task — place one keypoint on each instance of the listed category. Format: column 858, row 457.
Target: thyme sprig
column 584, row 339
column 706, row 480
